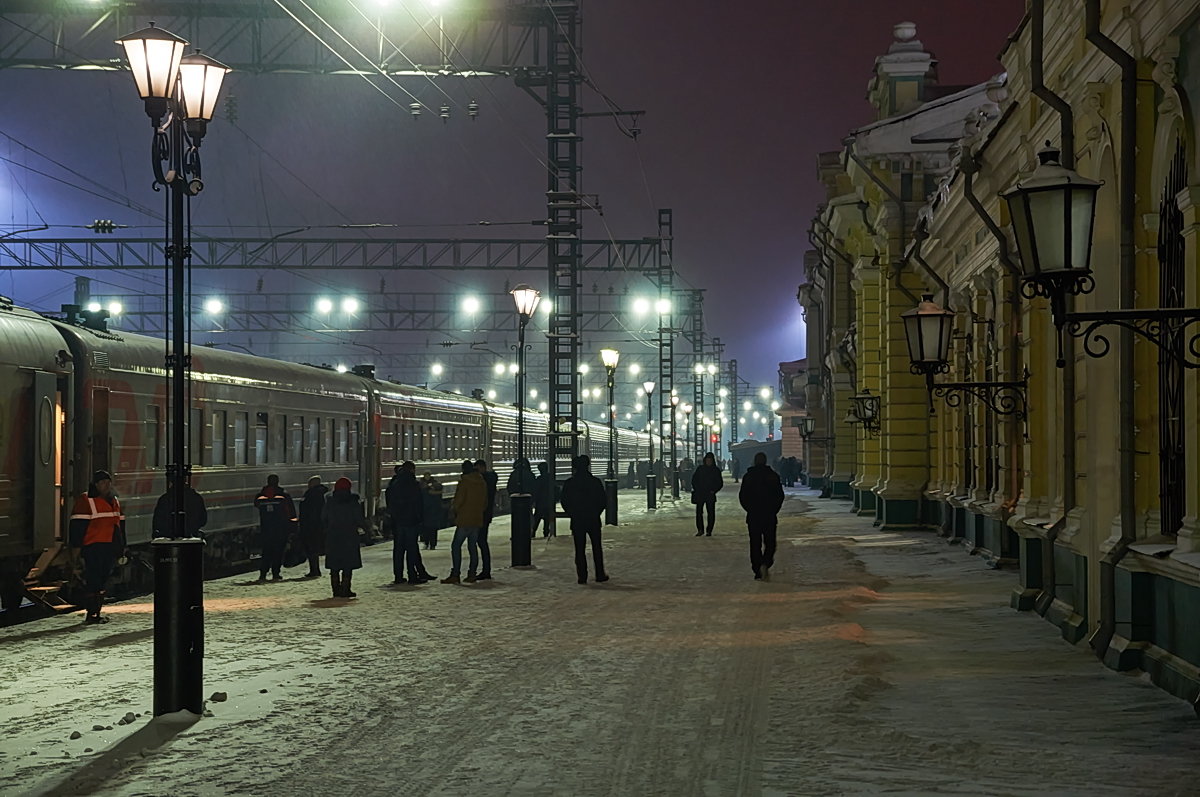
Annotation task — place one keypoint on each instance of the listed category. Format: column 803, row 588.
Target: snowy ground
column 870, row 663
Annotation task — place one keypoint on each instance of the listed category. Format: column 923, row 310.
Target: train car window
column 296, row 433
column 312, row 440
column 153, row 426
column 196, row 437
column 241, row 443
column 260, row 438
column 327, row 441
column 395, row 447
column 100, row 440
column 218, row 437
column 341, row 442
column 278, row 448
column 353, row 453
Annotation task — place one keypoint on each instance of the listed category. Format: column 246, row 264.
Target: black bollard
column 610, row 509
column 178, row 625
column 522, row 545
column 651, row 491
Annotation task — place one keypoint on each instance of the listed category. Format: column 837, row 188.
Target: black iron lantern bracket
column 1166, row 328
column 1002, row 398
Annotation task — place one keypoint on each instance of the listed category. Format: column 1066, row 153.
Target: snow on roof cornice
column 933, row 105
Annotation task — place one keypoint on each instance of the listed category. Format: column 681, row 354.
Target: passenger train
column 76, row 398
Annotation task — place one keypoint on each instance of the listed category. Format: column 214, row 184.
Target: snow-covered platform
column 871, row 662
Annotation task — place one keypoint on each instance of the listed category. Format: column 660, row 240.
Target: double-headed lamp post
column 526, row 300
column 180, row 96
column 610, row 358
column 651, row 479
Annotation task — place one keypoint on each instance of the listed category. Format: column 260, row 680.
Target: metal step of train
column 49, row 595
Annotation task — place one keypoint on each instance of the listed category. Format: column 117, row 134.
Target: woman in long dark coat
column 342, row 517
column 312, row 533
column 434, row 511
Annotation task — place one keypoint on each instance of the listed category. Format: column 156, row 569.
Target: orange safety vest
column 103, row 516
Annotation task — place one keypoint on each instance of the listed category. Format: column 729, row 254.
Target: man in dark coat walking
column 584, row 500
column 312, row 533
column 706, row 483
column 761, row 495
column 276, row 514
column 406, row 509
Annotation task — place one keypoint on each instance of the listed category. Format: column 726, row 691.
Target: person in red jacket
column 97, row 527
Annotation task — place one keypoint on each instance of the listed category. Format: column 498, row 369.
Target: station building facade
column 1077, row 465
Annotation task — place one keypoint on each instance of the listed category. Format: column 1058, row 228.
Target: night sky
column 739, row 100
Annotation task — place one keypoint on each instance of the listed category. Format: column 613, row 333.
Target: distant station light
column 499, row 369
column 324, row 306
column 663, row 306
column 341, row 368
column 470, row 305
column 350, row 305
column 93, row 307
column 437, row 369
column 641, row 306
column 114, row 308
column 213, row 306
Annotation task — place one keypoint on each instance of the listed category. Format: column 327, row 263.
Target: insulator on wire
column 473, row 109
column 414, row 108
column 444, row 113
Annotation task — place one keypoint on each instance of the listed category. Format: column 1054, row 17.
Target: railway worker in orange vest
column 98, row 528
column 277, row 516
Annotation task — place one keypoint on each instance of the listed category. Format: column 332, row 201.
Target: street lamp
column 610, row 358
column 651, row 479
column 184, row 90
column 1053, row 213
column 928, row 329
column 864, row 410
column 526, row 300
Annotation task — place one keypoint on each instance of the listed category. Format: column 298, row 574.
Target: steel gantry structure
column 536, row 43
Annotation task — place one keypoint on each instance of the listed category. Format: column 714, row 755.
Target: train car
column 77, row 398
column 743, row 452
column 36, row 393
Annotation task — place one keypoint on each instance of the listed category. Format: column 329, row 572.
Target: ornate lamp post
column 865, row 411
column 1052, row 213
column 610, row 358
column 526, row 300
column 928, row 329
column 180, row 95
column 651, row 479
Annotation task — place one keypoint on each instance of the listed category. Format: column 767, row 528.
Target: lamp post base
column 651, row 491
column 522, row 545
column 178, row 625
column 610, row 509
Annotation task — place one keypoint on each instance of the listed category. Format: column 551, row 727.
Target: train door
column 47, row 459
